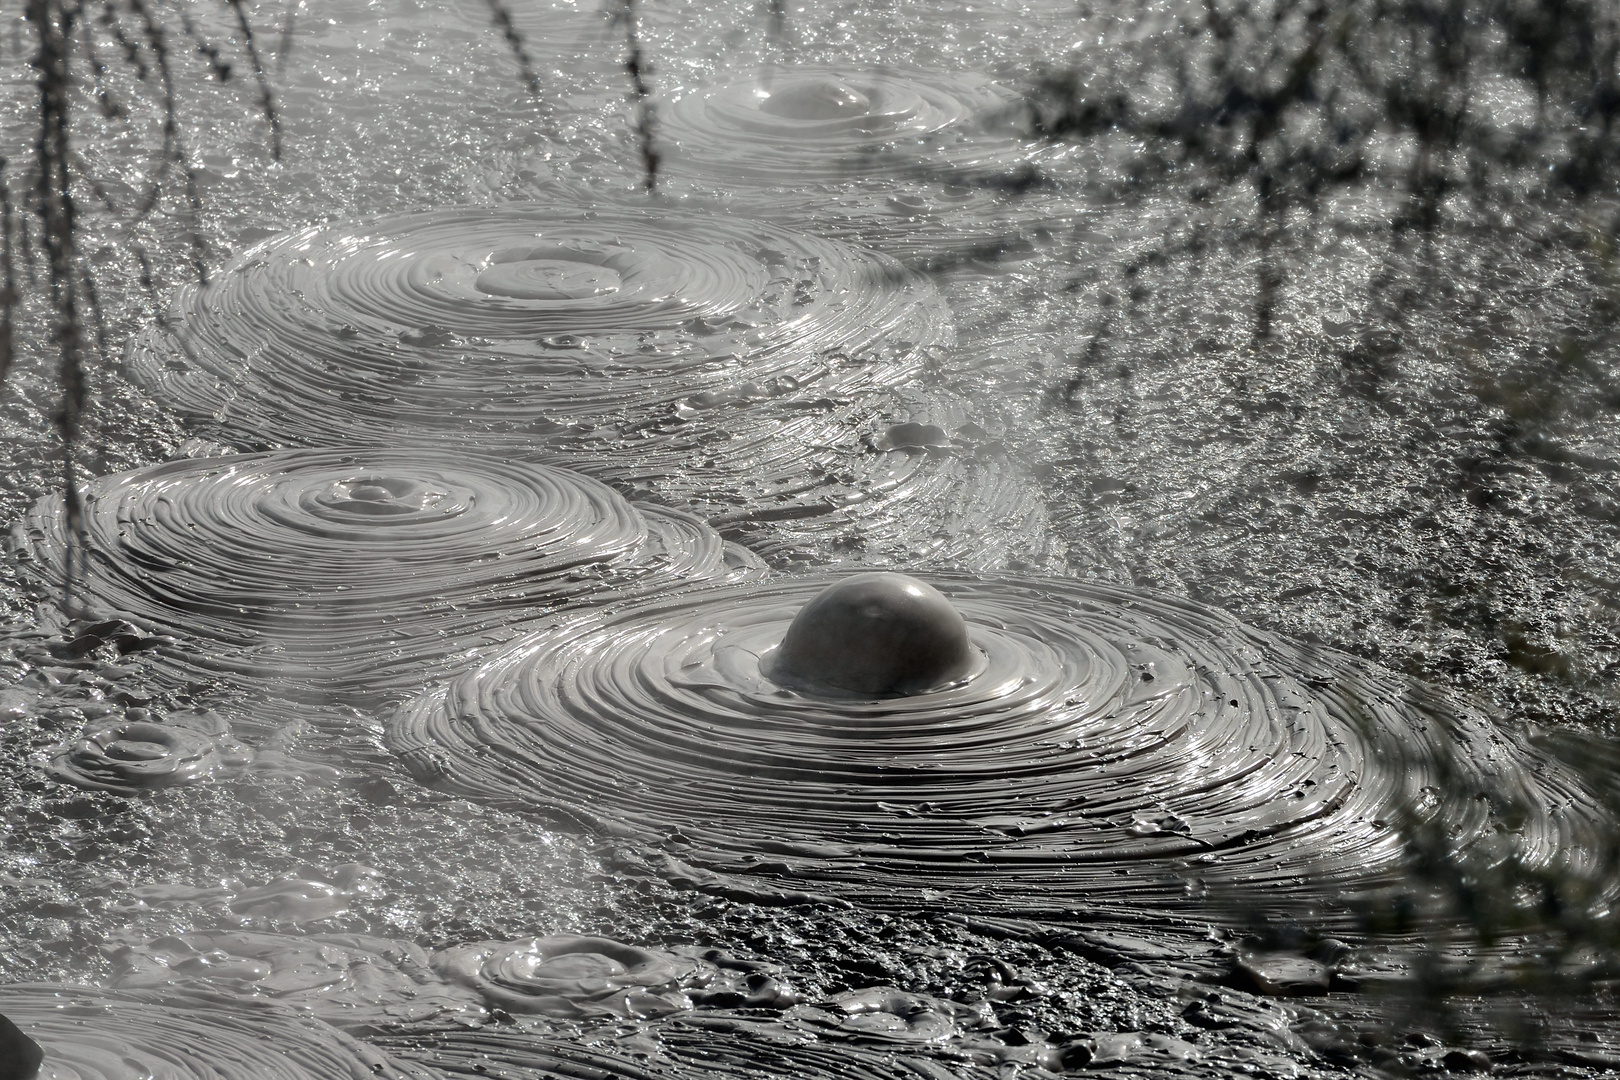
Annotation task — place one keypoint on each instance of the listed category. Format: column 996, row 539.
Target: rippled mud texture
column 925, row 165
column 90, row 1034
column 784, row 126
column 875, row 1034
column 571, row 977
column 127, row 756
column 324, row 574
column 732, row 1051
column 355, row 982
column 512, row 323
column 1110, row 747
column 906, row 477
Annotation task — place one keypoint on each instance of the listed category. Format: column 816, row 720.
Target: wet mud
column 90, row 1034
column 1139, row 838
column 780, row 127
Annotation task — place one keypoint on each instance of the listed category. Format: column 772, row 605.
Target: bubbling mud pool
column 506, row 324
column 1107, row 747
column 338, row 574
column 848, row 449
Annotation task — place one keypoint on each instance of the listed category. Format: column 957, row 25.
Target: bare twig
column 514, row 40
column 635, row 64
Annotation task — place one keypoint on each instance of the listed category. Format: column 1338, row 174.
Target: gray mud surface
column 1438, row 498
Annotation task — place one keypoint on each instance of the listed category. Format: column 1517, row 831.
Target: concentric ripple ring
column 104, row 1035
column 510, row 323
column 570, row 976
column 337, row 572
column 1110, row 745
column 131, row 756
column 787, row 126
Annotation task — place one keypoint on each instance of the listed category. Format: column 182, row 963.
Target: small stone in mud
column 1282, row 974
column 874, row 634
column 20, row 1056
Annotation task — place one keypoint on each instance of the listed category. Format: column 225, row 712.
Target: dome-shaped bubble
column 571, row 976
column 789, row 126
column 1109, row 745
column 90, row 1034
column 331, row 573
column 873, row 635
column 513, row 323
column 354, row 982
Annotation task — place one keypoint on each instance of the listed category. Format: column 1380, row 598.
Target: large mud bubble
column 1109, row 747
column 511, row 323
column 353, row 573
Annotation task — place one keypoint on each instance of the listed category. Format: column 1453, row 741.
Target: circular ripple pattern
column 513, row 323
column 789, row 126
column 331, row 572
column 101, row 1035
column 1109, row 745
column 130, row 756
column 570, row 976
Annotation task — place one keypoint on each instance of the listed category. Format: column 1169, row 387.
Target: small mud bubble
column 571, row 977
column 130, row 756
column 815, row 123
column 874, row 635
column 912, row 436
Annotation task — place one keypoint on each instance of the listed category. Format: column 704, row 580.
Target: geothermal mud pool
column 422, row 714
